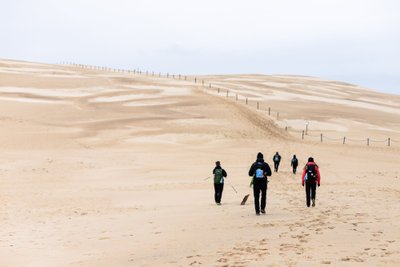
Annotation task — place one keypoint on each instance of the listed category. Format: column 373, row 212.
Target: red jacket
column 318, row 180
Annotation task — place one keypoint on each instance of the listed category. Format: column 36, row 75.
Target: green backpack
column 218, row 176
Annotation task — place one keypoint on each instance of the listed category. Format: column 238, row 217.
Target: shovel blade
column 245, row 199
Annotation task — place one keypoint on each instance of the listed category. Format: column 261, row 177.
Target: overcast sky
column 356, row 41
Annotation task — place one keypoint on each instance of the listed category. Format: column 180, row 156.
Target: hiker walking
column 219, row 175
column 311, row 178
column 294, row 163
column 260, row 171
column 277, row 160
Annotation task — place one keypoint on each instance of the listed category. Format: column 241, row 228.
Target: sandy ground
column 110, row 169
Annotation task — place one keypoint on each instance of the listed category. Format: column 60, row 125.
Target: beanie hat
column 260, row 155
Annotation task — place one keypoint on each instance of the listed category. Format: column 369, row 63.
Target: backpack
column 218, row 176
column 311, row 174
column 259, row 173
column 276, row 158
column 295, row 161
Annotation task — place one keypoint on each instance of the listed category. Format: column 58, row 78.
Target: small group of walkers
column 260, row 171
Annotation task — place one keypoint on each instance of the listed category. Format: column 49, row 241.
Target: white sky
column 357, row 41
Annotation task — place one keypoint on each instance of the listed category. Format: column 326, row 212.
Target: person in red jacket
column 311, row 178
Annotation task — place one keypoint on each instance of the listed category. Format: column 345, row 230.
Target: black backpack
column 311, row 174
column 295, row 162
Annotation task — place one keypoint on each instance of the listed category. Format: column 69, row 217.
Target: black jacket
column 265, row 167
column 223, row 171
column 278, row 157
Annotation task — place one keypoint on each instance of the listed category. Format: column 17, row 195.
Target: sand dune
column 110, row 169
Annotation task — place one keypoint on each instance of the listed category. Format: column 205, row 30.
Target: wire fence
column 232, row 94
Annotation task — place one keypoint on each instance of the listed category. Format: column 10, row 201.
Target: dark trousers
column 276, row 165
column 260, row 185
column 310, row 192
column 294, row 168
column 218, row 188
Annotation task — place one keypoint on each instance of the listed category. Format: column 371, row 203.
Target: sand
column 110, row 169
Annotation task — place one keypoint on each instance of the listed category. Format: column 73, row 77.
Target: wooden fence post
column 209, row 85
column 236, row 97
column 246, row 100
column 195, row 80
column 367, row 141
column 227, row 92
column 344, row 140
column 269, row 111
column 302, row 135
column 389, row 141
column 321, row 137
column 218, row 90
column 202, row 82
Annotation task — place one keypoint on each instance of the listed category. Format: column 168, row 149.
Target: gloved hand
column 319, row 185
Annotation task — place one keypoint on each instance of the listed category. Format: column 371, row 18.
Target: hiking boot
column 257, row 213
column 263, row 211
column 218, row 203
column 313, row 202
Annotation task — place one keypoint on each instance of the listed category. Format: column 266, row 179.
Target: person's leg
column 308, row 188
column 256, row 190
column 216, row 193
column 263, row 195
column 221, row 188
column 313, row 193
column 277, row 165
column 294, row 169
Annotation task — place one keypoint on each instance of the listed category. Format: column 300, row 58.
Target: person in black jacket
column 294, row 163
column 260, row 171
column 219, row 175
column 277, row 159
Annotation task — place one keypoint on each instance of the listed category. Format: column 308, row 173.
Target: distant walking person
column 260, row 171
column 277, row 160
column 311, row 178
column 219, row 175
column 294, row 163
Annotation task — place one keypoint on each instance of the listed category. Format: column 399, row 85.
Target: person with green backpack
column 219, row 175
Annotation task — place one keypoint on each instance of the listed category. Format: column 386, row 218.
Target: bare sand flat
column 110, row 169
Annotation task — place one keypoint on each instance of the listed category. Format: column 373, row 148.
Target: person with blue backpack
column 219, row 175
column 311, row 178
column 260, row 171
column 277, row 159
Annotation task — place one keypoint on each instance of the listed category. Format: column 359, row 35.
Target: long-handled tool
column 232, row 186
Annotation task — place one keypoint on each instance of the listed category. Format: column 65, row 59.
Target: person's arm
column 251, row 171
column 302, row 176
column 318, row 175
column 267, row 170
column 214, row 171
column 224, row 173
